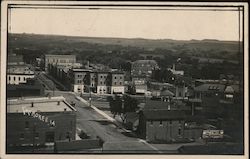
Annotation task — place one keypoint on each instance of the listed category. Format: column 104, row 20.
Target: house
column 143, row 68
column 40, row 120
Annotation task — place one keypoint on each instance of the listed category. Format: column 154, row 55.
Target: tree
column 121, row 105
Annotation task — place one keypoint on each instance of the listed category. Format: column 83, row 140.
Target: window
column 161, row 123
column 120, row 83
column 14, row 78
column 21, row 136
column 19, row 78
column 179, row 131
column 24, row 78
column 151, row 122
column 115, row 77
column 100, row 82
column 36, row 135
column 115, row 83
column 120, row 77
column 9, row 78
column 26, row 125
column 170, row 122
column 101, row 76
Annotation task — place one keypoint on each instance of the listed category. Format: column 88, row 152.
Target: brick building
column 36, row 121
column 64, row 60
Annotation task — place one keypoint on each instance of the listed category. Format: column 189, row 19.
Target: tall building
column 103, row 82
column 117, row 83
column 100, row 82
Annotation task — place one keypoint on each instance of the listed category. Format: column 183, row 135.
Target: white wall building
column 19, row 74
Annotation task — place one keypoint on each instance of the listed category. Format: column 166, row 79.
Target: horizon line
column 219, row 40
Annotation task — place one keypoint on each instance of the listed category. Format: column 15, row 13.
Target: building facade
column 18, row 74
column 64, row 60
column 103, row 82
column 117, row 83
column 37, row 121
column 162, row 125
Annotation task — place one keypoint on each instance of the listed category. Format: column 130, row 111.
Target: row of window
column 170, row 122
column 17, row 78
column 61, row 61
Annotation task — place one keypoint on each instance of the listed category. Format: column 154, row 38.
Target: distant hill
column 203, row 48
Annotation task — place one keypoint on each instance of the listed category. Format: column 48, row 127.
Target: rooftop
column 41, row 104
column 146, row 61
column 50, row 55
column 163, row 114
column 210, row 87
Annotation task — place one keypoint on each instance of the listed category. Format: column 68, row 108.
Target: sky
column 148, row 24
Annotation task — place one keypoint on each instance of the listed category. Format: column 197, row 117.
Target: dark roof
column 210, row 87
column 154, row 104
column 163, row 114
column 166, row 93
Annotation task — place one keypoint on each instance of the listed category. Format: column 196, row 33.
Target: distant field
column 44, row 44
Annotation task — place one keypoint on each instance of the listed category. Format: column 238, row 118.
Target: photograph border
column 4, row 36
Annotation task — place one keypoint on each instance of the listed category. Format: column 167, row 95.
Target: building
column 140, row 85
column 18, row 74
column 162, row 125
column 37, row 121
column 117, row 83
column 100, row 82
column 176, row 72
column 78, row 80
column 32, row 88
column 143, row 68
column 209, row 96
column 64, row 60
column 103, row 82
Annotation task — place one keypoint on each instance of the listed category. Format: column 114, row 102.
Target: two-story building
column 37, row 121
column 159, row 123
column 64, row 60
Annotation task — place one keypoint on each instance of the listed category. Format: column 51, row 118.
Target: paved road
column 95, row 124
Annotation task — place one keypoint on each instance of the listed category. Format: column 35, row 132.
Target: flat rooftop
column 41, row 104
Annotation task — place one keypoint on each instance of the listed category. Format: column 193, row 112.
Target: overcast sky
column 152, row 24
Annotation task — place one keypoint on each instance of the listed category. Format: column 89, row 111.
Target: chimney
column 32, row 104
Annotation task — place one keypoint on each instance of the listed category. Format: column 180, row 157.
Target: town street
column 96, row 125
